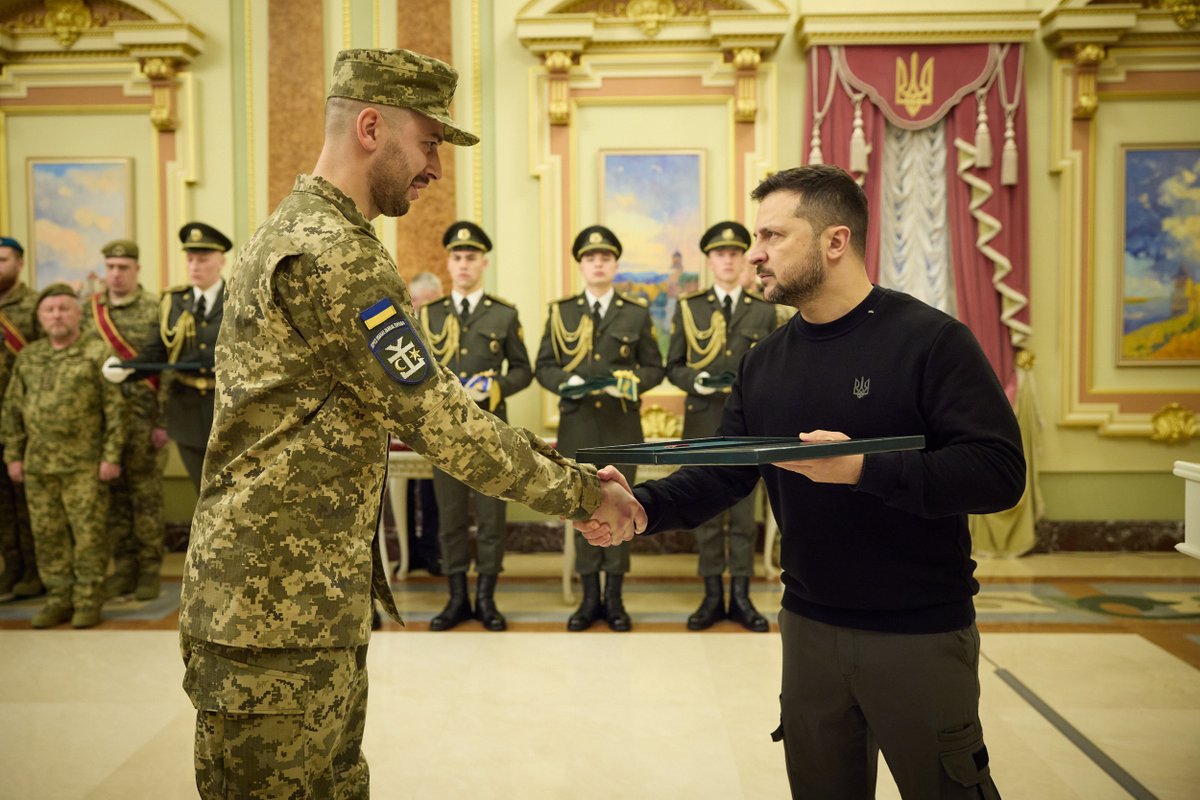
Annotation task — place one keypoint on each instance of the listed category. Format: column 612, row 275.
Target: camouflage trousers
column 278, row 723
column 135, row 511
column 67, row 513
column 743, row 532
column 16, row 537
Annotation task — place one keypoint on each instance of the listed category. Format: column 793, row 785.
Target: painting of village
column 1161, row 252
column 654, row 202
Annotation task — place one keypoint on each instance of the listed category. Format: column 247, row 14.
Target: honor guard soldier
column 18, row 327
column 64, row 429
column 125, row 316
column 710, row 333
column 599, row 354
column 474, row 335
column 189, row 319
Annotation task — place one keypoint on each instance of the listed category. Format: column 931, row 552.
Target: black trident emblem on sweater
column 862, row 386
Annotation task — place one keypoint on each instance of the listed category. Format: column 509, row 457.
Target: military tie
column 596, row 312
column 727, row 307
column 201, row 308
column 466, row 309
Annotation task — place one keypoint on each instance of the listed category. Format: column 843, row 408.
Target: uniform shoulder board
column 183, row 287
column 692, row 295
column 499, row 300
column 637, row 301
column 571, row 298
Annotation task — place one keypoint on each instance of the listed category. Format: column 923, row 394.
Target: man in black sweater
column 880, row 647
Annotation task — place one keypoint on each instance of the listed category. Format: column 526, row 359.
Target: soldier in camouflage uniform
column 124, row 316
column 189, row 319
column 63, row 433
column 18, row 327
column 474, row 335
column 320, row 358
column 710, row 333
column 595, row 337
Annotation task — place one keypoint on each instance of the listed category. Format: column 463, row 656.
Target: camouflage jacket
column 136, row 321
column 320, row 359
column 491, row 336
column 19, row 308
column 60, row 415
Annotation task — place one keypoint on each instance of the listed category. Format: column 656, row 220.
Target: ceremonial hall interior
column 1032, row 168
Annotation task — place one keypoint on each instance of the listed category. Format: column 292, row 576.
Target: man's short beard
column 803, row 287
column 384, row 176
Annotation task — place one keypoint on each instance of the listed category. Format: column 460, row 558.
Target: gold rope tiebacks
column 714, row 334
column 575, row 344
column 443, row 344
column 176, row 338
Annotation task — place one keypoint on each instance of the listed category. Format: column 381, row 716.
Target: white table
column 405, row 465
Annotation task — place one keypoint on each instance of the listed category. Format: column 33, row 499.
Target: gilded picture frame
column 76, row 206
column 653, row 200
column 1159, row 254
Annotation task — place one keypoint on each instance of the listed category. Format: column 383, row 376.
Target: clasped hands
column 619, row 515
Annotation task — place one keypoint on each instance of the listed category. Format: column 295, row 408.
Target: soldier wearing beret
column 125, row 316
column 18, row 327
column 188, row 322
column 321, row 357
column 599, row 354
column 478, row 337
column 711, row 331
column 63, row 433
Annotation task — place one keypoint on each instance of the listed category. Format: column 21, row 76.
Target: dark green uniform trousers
column 278, row 723
column 454, row 535
column 710, row 541
column 848, row 693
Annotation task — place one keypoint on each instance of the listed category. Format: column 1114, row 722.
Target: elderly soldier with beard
column 320, row 358
column 18, row 327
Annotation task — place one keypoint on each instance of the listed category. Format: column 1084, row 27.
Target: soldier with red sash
column 124, row 316
column 19, row 575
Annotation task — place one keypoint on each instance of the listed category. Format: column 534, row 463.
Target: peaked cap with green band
column 403, row 79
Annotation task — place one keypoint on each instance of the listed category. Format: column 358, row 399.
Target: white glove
column 575, row 380
column 113, row 372
column 477, row 394
column 612, row 391
column 700, row 388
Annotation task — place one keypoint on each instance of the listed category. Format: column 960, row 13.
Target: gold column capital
column 1173, row 424
column 1087, row 61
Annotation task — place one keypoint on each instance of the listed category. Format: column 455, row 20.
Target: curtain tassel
column 1008, row 159
column 815, row 156
column 858, row 142
column 983, row 138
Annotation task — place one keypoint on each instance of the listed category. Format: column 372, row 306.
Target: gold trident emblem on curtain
column 913, row 92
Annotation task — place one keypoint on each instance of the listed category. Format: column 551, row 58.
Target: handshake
column 619, row 515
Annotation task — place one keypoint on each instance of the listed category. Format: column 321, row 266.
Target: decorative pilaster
column 1087, row 63
column 161, row 74
column 746, row 61
column 558, row 65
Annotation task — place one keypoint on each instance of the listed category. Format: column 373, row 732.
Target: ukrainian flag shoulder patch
column 395, row 343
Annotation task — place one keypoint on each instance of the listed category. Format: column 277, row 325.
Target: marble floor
column 1090, row 689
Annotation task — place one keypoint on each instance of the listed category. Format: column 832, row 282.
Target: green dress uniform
column 61, row 419
column 135, row 510
column 18, row 327
column 703, row 341
column 479, row 344
column 182, row 337
column 320, row 359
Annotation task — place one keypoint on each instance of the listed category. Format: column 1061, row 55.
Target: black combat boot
column 485, row 604
column 712, row 607
column 614, row 606
column 458, row 609
column 741, row 610
column 590, row 608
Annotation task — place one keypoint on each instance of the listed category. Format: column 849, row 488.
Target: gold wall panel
column 296, row 88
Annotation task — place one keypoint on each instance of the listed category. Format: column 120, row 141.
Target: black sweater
column 892, row 553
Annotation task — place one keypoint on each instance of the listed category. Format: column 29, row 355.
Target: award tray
column 740, row 450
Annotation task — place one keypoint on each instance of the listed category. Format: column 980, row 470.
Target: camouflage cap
column 120, row 248
column 725, row 234
column 56, row 290
column 403, row 79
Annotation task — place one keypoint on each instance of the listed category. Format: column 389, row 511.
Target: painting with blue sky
column 77, row 206
column 1161, row 253
column 654, row 202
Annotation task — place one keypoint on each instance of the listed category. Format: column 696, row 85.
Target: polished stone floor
column 1090, row 689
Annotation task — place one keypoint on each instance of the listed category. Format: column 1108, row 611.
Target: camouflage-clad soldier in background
column 18, row 327
column 125, row 315
column 474, row 335
column 596, row 337
column 320, row 358
column 710, row 333
column 189, row 319
column 63, row 433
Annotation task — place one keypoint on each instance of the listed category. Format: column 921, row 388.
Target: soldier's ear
column 368, row 128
